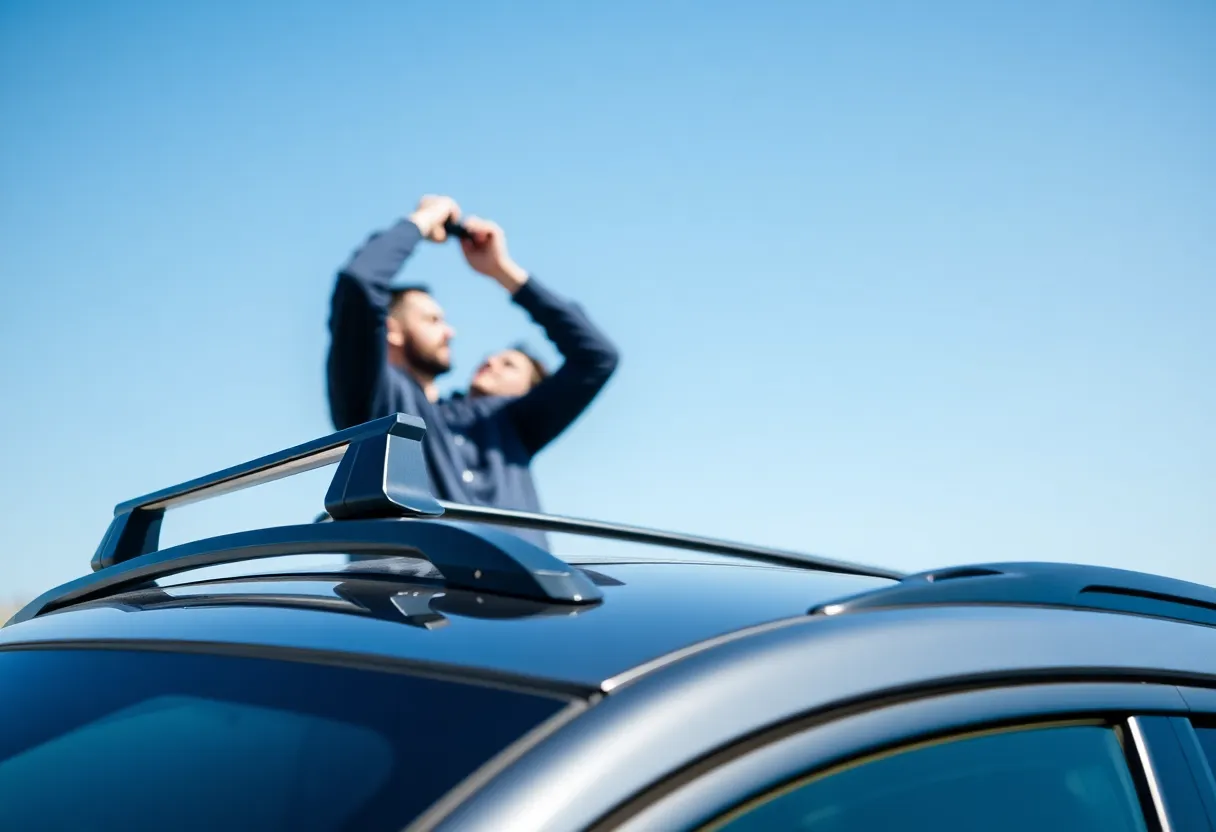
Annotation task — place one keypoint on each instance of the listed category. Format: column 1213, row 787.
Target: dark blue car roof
column 649, row 609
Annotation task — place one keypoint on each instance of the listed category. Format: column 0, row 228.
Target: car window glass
column 132, row 740
column 1207, row 739
column 1071, row 778
column 167, row 742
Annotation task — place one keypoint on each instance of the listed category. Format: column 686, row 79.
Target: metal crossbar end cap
column 384, row 476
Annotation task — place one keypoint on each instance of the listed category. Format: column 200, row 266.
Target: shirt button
column 467, row 476
column 458, row 439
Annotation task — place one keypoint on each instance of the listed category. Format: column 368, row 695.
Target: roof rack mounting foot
column 130, row 534
column 382, row 476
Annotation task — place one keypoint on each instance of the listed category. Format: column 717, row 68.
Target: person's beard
column 425, row 363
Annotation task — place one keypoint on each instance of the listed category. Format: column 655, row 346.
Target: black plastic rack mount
column 380, row 474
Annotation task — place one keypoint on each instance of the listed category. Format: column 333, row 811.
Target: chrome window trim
column 1140, row 746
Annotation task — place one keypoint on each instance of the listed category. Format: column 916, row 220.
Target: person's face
column 417, row 326
column 507, row 373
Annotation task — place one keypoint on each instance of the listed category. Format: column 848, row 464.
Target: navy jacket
column 477, row 449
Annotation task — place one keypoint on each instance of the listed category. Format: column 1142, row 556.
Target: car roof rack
column 1066, row 585
column 479, row 559
column 418, row 605
column 381, row 474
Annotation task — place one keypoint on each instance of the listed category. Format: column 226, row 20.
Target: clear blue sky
column 909, row 283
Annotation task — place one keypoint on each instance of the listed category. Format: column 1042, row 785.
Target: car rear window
column 141, row 740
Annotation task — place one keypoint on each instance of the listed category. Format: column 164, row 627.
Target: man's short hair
column 398, row 293
column 539, row 371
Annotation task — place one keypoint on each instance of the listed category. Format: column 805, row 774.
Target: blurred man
column 390, row 344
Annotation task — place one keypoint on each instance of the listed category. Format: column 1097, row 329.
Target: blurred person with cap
column 390, row 343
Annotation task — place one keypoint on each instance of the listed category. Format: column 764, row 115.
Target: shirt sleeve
column 357, row 369
column 589, row 360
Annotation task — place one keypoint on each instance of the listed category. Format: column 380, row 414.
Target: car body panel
column 822, row 745
column 655, row 725
column 649, row 610
column 1202, row 700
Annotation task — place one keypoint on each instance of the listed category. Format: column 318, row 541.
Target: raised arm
column 589, row 358
column 357, row 366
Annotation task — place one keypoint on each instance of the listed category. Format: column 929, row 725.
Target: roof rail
column 1067, row 585
column 381, row 474
column 418, row 605
column 478, row 559
column 655, row 537
column 674, row 540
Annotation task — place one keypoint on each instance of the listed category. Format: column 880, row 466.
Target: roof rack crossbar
column 381, row 473
column 469, row 557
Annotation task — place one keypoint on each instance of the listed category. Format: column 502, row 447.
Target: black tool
column 456, row 229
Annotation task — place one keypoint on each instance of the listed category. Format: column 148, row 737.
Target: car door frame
column 660, row 721
column 1202, row 704
column 1155, row 719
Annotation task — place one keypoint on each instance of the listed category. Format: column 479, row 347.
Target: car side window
column 1206, row 731
column 149, row 740
column 1071, row 777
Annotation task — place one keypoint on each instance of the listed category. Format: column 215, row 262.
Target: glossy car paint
column 648, row 610
column 692, row 657
column 652, row 726
column 820, row 746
